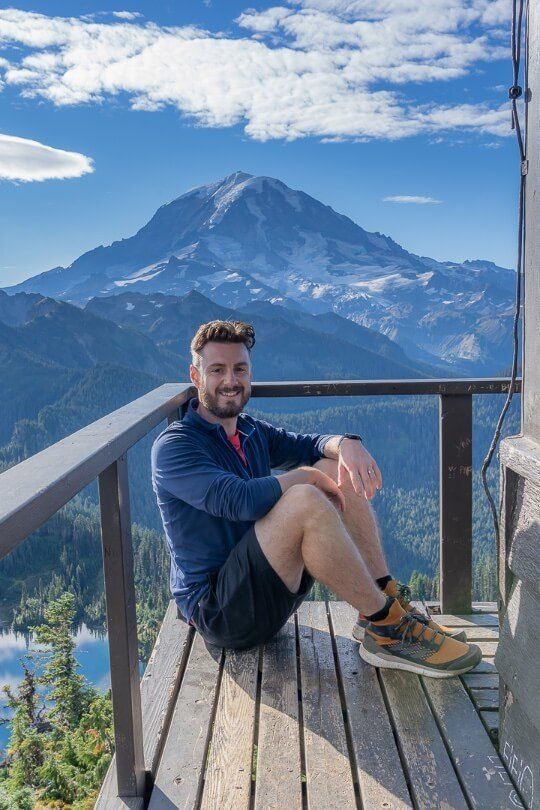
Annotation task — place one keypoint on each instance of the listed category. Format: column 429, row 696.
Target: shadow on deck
column 304, row 722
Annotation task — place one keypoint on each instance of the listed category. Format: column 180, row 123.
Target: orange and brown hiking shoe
column 402, row 642
column 403, row 594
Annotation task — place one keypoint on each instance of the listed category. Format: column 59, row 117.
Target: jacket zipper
column 246, row 466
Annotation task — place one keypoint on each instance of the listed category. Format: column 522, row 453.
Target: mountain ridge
column 252, row 238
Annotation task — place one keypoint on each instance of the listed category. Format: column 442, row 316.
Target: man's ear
column 194, row 374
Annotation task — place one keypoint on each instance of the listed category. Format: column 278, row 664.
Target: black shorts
column 248, row 602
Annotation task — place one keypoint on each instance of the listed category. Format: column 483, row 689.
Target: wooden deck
column 305, row 723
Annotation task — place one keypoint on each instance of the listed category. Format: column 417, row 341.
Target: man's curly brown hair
column 221, row 332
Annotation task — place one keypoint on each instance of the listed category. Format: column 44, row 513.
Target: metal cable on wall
column 515, row 92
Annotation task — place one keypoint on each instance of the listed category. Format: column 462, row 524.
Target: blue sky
column 352, row 101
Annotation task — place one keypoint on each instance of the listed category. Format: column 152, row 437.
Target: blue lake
column 92, row 653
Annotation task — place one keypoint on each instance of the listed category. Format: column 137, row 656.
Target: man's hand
column 312, row 475
column 328, row 486
column 355, row 462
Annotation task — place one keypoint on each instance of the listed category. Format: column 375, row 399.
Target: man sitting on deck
column 246, row 545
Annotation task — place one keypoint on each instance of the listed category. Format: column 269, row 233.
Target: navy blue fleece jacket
column 208, row 498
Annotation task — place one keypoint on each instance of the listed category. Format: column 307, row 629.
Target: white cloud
column 25, row 160
column 405, row 198
column 126, row 15
column 495, row 121
column 333, row 69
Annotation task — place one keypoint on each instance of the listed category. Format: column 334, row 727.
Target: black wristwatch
column 349, row 436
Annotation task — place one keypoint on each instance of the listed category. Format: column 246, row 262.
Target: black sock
column 383, row 612
column 382, row 582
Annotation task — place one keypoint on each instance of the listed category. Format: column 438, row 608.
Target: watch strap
column 349, row 436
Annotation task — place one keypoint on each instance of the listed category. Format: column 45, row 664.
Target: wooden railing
column 35, row 489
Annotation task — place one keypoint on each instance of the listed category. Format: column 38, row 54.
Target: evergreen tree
column 25, row 752
column 67, row 687
column 58, row 754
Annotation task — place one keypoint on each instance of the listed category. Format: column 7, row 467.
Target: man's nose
column 230, row 378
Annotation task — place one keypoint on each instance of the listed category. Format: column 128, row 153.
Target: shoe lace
column 407, row 626
column 405, row 596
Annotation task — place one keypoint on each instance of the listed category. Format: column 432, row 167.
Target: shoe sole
column 391, row 662
column 358, row 633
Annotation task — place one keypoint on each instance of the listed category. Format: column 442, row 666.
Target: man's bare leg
column 361, row 523
column 305, row 530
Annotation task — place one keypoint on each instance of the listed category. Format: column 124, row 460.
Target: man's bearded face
column 224, row 378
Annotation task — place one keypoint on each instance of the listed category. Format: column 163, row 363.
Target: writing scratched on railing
column 521, row 773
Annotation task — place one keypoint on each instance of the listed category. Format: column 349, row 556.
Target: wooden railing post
column 122, row 627
column 178, row 414
column 455, row 441
column 174, row 416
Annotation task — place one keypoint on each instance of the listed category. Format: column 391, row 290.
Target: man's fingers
column 341, row 497
column 337, row 493
column 357, row 482
column 369, row 481
column 373, row 474
column 333, row 489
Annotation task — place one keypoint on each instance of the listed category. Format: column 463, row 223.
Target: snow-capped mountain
column 247, row 238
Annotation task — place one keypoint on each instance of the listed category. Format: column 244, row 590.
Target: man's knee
column 328, row 466
column 308, row 501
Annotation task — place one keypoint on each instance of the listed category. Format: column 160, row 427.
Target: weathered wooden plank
column 130, row 803
column 328, row 769
column 122, row 627
column 179, row 776
column 455, row 487
column 485, row 698
column 491, row 722
column 347, row 388
column 159, row 686
column 485, row 607
column 278, row 777
column 481, row 633
column 468, row 620
column 486, row 665
column 488, row 648
column 520, row 640
column 480, row 681
column 477, row 608
column 471, row 749
column 378, row 766
column 431, row 775
column 227, row 781
column 161, row 680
